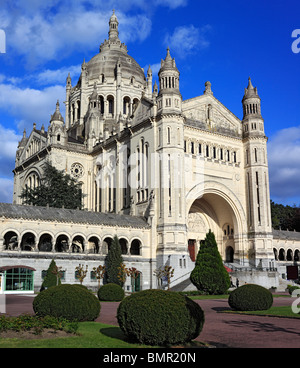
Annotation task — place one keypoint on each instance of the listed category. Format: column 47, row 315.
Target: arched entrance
column 229, row 254
column 214, row 207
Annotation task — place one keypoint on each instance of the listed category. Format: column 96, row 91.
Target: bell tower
column 169, row 98
column 113, row 27
column 171, row 217
column 257, row 179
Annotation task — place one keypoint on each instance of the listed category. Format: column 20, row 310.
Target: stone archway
column 213, row 206
column 229, row 254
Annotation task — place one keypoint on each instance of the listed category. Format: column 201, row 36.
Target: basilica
column 155, row 170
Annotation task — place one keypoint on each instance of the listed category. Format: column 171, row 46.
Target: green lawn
column 203, row 297
column 92, row 335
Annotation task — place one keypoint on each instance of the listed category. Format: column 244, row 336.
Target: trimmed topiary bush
column 209, row 274
column 113, row 261
column 51, row 279
column 111, row 292
column 250, row 297
column 72, row 302
column 160, row 317
column 291, row 288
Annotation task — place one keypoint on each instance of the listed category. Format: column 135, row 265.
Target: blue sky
column 224, row 42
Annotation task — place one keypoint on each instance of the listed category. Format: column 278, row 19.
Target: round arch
column 93, row 244
column 124, row 244
column 11, row 239
column 32, row 178
column 78, row 242
column 106, row 243
column 28, row 240
column 216, row 188
column 62, row 242
column 45, row 242
column 214, row 206
column 135, row 247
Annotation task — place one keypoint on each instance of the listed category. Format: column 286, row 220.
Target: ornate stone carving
column 77, row 170
column 196, row 223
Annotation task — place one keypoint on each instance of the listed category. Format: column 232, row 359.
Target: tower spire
column 113, row 27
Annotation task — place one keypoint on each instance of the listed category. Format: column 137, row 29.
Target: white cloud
column 172, row 4
column 8, row 142
column 46, row 36
column 187, row 40
column 30, row 105
column 57, row 76
column 284, row 164
column 6, row 192
column 52, row 30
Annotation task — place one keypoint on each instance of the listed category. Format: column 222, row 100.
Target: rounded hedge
column 291, row 288
column 72, row 302
column 250, row 297
column 160, row 317
column 111, row 292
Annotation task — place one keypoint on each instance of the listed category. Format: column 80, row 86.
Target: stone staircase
column 185, row 285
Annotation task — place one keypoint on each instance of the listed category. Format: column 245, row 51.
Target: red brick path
column 220, row 329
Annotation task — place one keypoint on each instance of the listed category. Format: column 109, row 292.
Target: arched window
column 106, row 245
column 135, row 248
column 45, row 243
column 168, row 135
column 62, row 244
column 289, row 255
column 126, row 106
column 28, row 242
column 124, row 245
column 10, row 240
column 78, row 244
column 93, row 245
column 111, row 106
column 281, row 256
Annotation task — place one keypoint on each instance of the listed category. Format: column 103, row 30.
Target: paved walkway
column 220, row 329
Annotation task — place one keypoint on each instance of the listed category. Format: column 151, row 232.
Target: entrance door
column 137, row 283
column 192, row 249
column 229, row 254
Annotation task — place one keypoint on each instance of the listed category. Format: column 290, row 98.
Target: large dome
column 106, row 61
column 113, row 52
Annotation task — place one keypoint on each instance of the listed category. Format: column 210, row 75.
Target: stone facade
column 139, row 150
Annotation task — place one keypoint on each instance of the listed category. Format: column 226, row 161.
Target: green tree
column 285, row 217
column 99, row 273
column 81, row 272
column 113, row 262
column 56, row 189
column 52, row 277
column 209, row 274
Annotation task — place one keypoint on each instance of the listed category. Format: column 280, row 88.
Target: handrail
column 188, row 273
column 244, row 268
